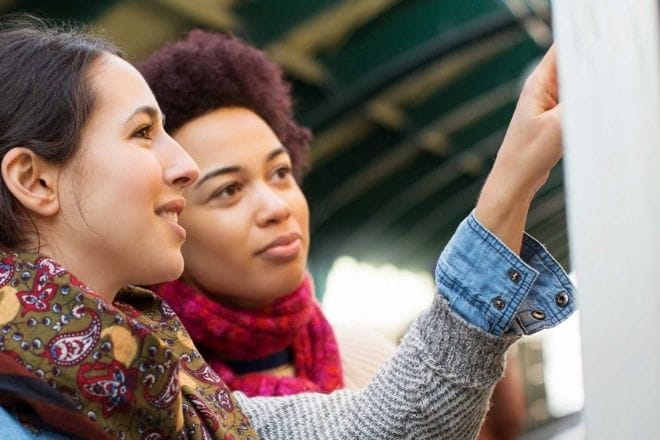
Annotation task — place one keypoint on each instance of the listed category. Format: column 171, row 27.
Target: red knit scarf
column 294, row 321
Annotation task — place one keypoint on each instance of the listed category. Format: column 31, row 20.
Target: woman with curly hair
column 245, row 295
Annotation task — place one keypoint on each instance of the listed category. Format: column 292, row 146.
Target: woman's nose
column 273, row 208
column 183, row 170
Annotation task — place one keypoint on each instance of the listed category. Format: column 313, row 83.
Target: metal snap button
column 562, row 299
column 499, row 303
column 537, row 314
column 514, row 275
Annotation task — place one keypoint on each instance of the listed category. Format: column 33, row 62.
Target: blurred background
column 408, row 101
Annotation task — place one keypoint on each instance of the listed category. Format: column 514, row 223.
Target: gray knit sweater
column 437, row 386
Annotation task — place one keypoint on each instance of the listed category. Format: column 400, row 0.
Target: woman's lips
column 176, row 227
column 283, row 248
column 169, row 212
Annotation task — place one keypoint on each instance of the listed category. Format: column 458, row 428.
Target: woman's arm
column 438, row 384
column 531, row 148
column 436, row 387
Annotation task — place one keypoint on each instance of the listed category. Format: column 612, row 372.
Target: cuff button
column 499, row 303
column 562, row 299
column 537, row 314
column 514, row 275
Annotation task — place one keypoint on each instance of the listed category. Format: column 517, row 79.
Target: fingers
column 548, row 69
column 541, row 91
column 548, row 64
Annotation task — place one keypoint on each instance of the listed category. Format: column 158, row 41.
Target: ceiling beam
column 140, row 27
column 527, row 13
column 421, row 190
column 216, row 14
column 329, row 29
column 406, row 151
column 410, row 91
column 367, row 86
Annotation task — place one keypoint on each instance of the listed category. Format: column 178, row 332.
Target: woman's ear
column 32, row 180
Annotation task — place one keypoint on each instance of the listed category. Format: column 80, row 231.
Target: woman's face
column 122, row 192
column 247, row 219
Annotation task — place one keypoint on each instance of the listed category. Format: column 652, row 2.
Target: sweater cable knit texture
column 437, row 387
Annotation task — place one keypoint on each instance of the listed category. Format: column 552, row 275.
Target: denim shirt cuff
column 493, row 288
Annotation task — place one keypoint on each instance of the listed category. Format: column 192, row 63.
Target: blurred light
column 562, row 354
column 384, row 298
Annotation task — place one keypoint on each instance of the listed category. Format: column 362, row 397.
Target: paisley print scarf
column 129, row 366
column 39, row 407
column 294, row 322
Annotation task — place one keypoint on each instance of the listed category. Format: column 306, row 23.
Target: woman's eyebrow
column 234, row 169
column 276, row 152
column 217, row 172
column 149, row 110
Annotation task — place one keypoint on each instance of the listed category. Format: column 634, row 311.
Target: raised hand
column 531, row 148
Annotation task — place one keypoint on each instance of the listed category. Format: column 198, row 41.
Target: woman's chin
column 168, row 270
column 266, row 291
column 283, row 287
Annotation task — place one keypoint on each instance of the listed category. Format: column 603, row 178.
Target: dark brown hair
column 206, row 71
column 45, row 99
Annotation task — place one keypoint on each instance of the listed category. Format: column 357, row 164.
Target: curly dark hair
column 206, row 71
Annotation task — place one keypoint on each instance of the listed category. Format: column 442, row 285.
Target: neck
column 234, row 302
column 87, row 268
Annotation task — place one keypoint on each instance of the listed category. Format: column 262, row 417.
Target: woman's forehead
column 235, row 133
column 119, row 88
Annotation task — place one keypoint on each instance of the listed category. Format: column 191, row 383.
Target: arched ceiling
column 408, row 100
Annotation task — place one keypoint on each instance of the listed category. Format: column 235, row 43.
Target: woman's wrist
column 502, row 208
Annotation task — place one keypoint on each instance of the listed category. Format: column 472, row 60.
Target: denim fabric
column 498, row 291
column 10, row 428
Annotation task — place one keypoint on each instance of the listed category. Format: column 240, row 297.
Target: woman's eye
column 143, row 132
column 227, row 191
column 283, row 172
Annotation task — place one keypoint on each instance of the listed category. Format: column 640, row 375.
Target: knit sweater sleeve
column 437, row 386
